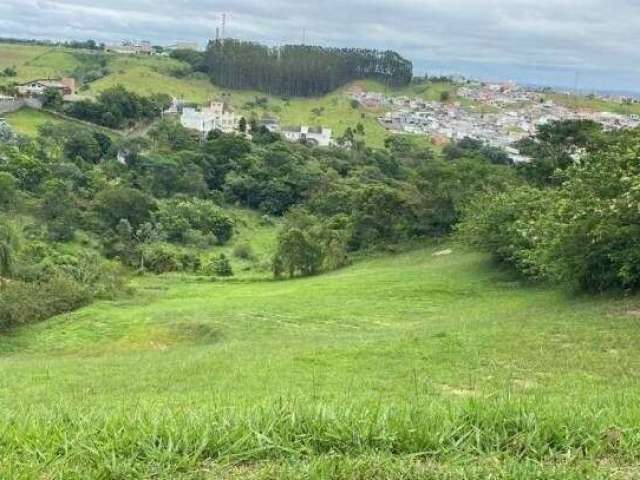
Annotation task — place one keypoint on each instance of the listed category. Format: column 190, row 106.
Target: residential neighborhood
column 499, row 114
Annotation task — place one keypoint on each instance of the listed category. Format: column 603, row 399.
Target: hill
column 148, row 75
column 400, row 365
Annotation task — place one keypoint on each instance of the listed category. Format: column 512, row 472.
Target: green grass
column 405, row 366
column 35, row 61
column 593, row 104
column 27, row 121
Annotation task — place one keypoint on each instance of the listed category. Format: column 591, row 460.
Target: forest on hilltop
column 295, row 70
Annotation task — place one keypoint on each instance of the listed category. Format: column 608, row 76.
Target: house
column 216, row 116
column 35, row 88
column 316, row 135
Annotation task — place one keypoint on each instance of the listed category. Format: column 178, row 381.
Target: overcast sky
column 553, row 42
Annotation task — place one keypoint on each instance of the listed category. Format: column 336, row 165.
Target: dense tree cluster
column 118, row 108
column 578, row 219
column 295, row 70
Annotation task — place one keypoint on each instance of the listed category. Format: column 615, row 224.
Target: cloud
column 552, row 38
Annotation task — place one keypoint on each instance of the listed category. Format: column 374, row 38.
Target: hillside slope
column 368, row 369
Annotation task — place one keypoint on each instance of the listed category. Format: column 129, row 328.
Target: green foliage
column 59, row 209
column 221, row 266
column 178, row 216
column 555, row 148
column 296, row 70
column 583, row 232
column 243, row 251
column 52, row 98
column 22, row 303
column 9, row 243
column 118, row 108
column 121, row 202
column 9, row 193
column 307, row 245
column 164, row 258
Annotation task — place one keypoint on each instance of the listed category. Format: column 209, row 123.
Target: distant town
column 499, row 114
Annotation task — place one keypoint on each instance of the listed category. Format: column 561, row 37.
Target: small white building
column 213, row 117
column 317, row 135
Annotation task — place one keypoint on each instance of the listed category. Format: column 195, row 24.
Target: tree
column 295, row 70
column 59, row 209
column 297, row 253
column 242, row 125
column 8, row 191
column 9, row 243
column 82, row 144
column 445, row 96
column 222, row 266
column 122, row 202
column 52, row 98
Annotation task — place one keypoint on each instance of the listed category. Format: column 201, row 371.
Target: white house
column 317, row 135
column 206, row 119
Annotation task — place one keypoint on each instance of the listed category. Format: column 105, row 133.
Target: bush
column 160, row 258
column 221, row 266
column 22, row 303
column 243, row 251
column 178, row 216
column 164, row 258
column 583, row 232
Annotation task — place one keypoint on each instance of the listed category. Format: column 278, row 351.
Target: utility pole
column 224, row 26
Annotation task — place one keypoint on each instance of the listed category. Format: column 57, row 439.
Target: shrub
column 244, row 251
column 221, row 266
column 178, row 216
column 22, row 303
column 160, row 258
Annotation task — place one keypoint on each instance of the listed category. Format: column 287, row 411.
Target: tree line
column 295, row 70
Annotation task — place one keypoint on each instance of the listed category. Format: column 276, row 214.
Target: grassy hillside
column 27, row 121
column 35, row 61
column 594, row 104
column 408, row 366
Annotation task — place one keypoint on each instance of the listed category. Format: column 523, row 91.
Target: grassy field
column 405, row 366
column 27, row 121
column 35, row 61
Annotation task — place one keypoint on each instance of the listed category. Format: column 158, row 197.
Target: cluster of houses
column 217, row 115
column 498, row 114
